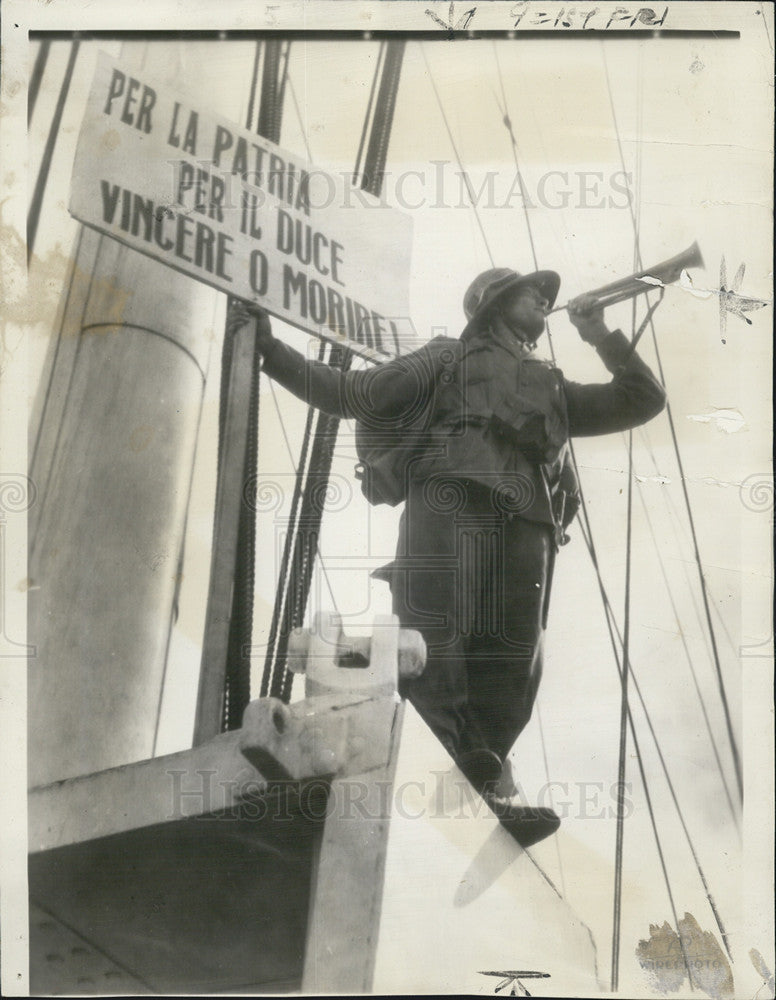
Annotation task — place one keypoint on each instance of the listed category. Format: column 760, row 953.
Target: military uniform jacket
column 484, row 409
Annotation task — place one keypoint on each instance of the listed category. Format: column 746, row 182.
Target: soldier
column 489, row 492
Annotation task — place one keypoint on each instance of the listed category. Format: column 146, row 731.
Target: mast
column 112, row 459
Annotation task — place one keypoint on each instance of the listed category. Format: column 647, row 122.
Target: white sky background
column 695, row 130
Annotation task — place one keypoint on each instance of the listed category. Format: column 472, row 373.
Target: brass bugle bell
column 645, row 280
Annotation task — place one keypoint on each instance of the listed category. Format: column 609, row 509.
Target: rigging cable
column 623, row 667
column 385, row 106
column 614, row 635
column 308, row 530
column 733, row 812
column 674, row 797
column 587, row 534
column 317, row 487
column 254, row 81
column 269, row 112
column 299, row 118
column 473, row 201
column 36, row 76
column 277, row 676
column 327, row 427
column 610, row 616
column 53, row 362
column 636, row 219
column 625, row 671
column 507, row 121
column 549, row 783
column 237, row 677
column 624, row 716
column 268, row 681
column 688, row 507
column 368, row 115
column 674, row 521
column 296, row 469
column 36, row 203
column 614, row 631
column 283, row 80
column 237, row 683
column 464, row 175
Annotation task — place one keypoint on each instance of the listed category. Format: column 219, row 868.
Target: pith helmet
column 489, row 286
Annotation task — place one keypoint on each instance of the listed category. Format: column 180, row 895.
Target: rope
column 311, row 511
column 254, row 81
column 587, row 535
column 680, row 464
column 552, row 804
column 66, row 394
column 625, row 671
column 295, row 468
column 52, row 367
column 704, row 592
column 635, row 220
column 269, row 115
column 270, row 662
column 297, row 566
column 36, row 76
column 465, row 176
column 33, row 217
column 670, row 503
column 368, row 115
column 299, row 118
column 664, row 766
column 612, row 629
column 507, row 121
column 283, row 81
column 614, row 635
column 237, row 673
column 276, row 679
column 306, row 541
column 504, row 109
column 683, row 638
column 237, row 691
column 380, row 136
column 624, row 712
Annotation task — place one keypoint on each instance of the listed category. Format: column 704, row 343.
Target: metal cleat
column 370, row 664
column 284, row 742
column 351, row 688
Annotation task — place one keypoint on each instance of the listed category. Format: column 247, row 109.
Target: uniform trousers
column 474, row 579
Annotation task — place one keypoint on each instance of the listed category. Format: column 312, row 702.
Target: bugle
column 645, row 280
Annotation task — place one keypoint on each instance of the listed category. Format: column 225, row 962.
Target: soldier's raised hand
column 241, row 312
column 588, row 317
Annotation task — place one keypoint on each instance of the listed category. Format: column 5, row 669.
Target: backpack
column 387, row 446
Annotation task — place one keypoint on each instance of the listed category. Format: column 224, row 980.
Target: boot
column 527, row 824
column 482, row 768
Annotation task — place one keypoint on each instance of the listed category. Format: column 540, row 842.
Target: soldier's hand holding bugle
column 588, row 317
column 241, row 312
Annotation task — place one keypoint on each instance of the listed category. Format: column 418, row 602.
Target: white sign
column 228, row 207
